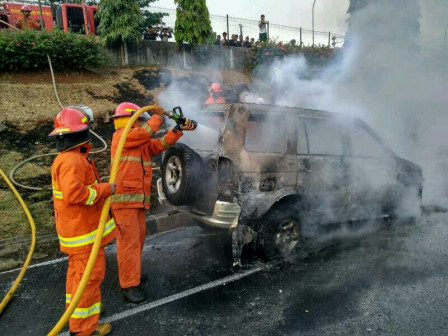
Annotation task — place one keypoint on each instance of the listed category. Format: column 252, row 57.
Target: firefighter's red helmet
column 215, row 87
column 125, row 110
column 26, row 9
column 69, row 121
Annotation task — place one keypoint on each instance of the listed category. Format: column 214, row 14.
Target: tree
column 120, row 21
column 192, row 22
column 149, row 18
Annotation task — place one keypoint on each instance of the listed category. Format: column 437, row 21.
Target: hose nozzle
column 177, row 115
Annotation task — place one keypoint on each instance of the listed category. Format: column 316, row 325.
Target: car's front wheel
column 281, row 232
column 408, row 202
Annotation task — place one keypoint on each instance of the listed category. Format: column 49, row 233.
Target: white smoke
column 386, row 78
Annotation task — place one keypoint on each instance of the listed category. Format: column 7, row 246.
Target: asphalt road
column 392, row 281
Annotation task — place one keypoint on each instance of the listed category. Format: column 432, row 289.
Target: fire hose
column 16, row 283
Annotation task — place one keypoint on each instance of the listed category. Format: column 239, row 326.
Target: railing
column 245, row 27
column 240, row 26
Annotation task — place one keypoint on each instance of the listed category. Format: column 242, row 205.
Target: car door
column 374, row 171
column 324, row 174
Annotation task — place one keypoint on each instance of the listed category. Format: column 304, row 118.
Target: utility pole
column 444, row 40
column 84, row 14
column 42, row 22
column 227, row 19
column 313, row 20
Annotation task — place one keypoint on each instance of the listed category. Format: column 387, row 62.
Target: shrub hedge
column 28, row 50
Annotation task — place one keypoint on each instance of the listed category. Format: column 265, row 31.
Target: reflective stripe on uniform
column 68, row 298
column 147, row 199
column 148, row 129
column 121, row 198
column 164, row 143
column 57, row 194
column 92, row 196
column 133, row 159
column 87, row 312
column 128, row 158
column 86, row 239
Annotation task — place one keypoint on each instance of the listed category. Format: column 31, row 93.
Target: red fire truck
column 69, row 17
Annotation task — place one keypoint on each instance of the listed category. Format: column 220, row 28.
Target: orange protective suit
column 25, row 22
column 78, row 199
column 133, row 193
column 218, row 100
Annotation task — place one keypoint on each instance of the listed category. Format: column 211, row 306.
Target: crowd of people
column 239, row 41
column 235, row 41
column 162, row 33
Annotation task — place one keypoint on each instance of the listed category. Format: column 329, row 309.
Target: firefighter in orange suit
column 26, row 22
column 133, row 190
column 215, row 95
column 78, row 198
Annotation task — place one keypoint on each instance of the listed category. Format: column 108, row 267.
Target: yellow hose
column 99, row 236
column 16, row 283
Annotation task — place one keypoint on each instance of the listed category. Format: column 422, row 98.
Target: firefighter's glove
column 188, row 126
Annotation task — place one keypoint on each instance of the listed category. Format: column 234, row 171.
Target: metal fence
column 245, row 27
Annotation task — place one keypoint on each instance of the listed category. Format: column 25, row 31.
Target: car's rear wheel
column 281, row 232
column 181, row 169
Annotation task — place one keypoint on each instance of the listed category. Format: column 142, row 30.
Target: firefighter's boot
column 134, row 294
column 102, row 329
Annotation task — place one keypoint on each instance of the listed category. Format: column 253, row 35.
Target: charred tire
column 281, row 232
column 181, row 169
column 408, row 202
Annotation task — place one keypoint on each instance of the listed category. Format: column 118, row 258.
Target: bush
column 28, row 50
column 265, row 52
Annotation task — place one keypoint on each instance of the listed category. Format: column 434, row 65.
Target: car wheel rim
column 287, row 236
column 173, row 174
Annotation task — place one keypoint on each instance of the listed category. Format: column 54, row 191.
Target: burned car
column 275, row 176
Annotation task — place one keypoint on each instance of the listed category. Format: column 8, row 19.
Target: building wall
column 184, row 56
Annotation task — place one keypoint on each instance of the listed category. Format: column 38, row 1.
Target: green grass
column 13, row 221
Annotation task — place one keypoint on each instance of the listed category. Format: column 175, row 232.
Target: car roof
column 265, row 108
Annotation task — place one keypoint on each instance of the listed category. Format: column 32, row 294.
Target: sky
column 329, row 15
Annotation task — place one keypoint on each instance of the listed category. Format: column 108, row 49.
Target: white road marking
column 56, row 261
column 45, row 263
column 178, row 296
